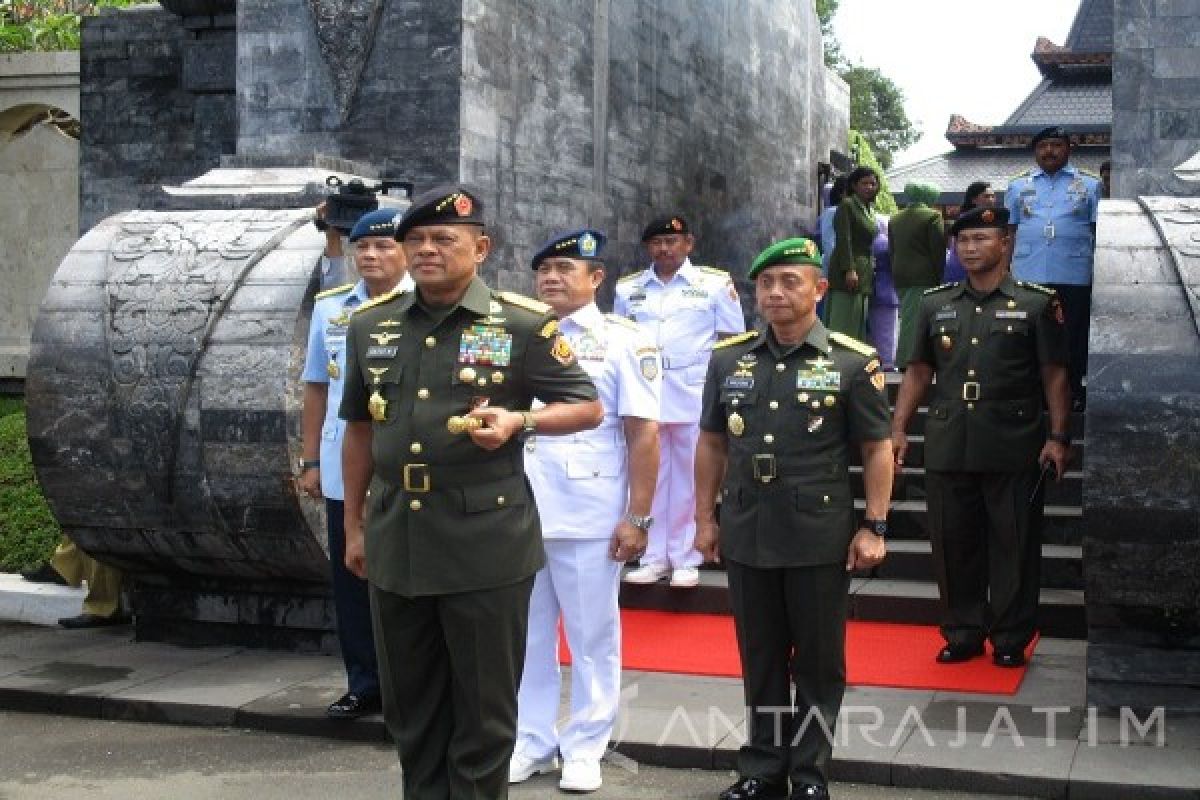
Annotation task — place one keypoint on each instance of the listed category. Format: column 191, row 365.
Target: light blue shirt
column 1054, row 215
column 828, row 237
column 325, row 362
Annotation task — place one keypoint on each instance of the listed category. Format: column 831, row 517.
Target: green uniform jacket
column 917, row 246
column 792, row 413
column 985, row 409
column 476, row 525
column 855, row 228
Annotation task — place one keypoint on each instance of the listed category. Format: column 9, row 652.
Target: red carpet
column 877, row 653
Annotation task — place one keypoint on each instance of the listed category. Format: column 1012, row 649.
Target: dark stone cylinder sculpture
column 163, row 402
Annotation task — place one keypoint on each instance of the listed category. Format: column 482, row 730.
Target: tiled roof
column 953, row 171
column 1092, row 31
column 1067, row 102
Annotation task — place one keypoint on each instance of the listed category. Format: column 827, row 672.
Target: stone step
column 37, row 603
column 912, row 560
column 1061, row 614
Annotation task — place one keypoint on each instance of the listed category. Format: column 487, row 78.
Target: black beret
column 585, row 243
column 981, row 217
column 449, row 204
column 662, row 226
column 1053, row 132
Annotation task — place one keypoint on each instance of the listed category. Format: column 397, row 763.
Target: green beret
column 789, row 251
column 927, row 193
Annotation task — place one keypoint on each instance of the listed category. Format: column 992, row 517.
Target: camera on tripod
column 354, row 198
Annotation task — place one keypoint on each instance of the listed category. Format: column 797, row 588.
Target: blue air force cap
column 1053, row 132
column 380, row 222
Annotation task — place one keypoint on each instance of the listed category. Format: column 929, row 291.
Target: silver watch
column 639, row 522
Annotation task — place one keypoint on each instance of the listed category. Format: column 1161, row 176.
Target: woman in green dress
column 851, row 268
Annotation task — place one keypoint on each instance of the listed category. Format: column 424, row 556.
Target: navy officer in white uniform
column 594, row 491
column 381, row 267
column 686, row 309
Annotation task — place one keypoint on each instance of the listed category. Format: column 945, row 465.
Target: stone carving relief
column 345, row 34
column 169, row 277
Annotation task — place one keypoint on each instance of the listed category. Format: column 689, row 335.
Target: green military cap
column 789, row 251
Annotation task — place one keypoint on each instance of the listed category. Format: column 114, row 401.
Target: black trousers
column 1077, row 312
column 791, row 627
column 987, row 554
column 451, row 665
column 352, row 607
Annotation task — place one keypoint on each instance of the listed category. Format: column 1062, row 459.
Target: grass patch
column 28, row 531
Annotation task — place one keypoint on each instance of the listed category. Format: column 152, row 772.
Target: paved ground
column 48, row 757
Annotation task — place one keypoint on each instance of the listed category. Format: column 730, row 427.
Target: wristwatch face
column 878, row 526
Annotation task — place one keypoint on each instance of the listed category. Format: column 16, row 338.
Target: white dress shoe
column 580, row 775
column 648, row 573
column 521, row 767
column 685, row 577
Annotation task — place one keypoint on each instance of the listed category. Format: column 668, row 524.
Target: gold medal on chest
column 333, row 370
column 947, row 343
column 737, row 425
column 376, row 405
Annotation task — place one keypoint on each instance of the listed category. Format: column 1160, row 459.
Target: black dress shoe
column 94, row 621
column 44, row 574
column 1008, row 658
column 957, row 653
column 809, row 791
column 353, row 706
column 755, row 789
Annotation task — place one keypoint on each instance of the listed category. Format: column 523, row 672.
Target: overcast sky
column 952, row 56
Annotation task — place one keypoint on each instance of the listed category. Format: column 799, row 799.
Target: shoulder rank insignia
column 941, row 288
column 521, row 301
column 732, row 340
column 714, row 271
column 851, row 343
column 1037, row 287
column 386, row 297
column 1089, row 173
column 624, row 323
column 549, row 329
column 1022, row 174
column 335, row 290
column 628, row 277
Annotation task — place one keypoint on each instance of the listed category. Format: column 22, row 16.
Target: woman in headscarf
column 851, row 267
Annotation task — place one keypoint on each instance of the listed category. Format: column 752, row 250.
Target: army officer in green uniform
column 782, row 407
column 998, row 348
column 438, row 386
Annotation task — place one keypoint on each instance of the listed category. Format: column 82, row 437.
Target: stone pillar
column 1141, row 544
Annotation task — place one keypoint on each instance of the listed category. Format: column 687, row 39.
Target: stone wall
column 608, row 111
column 156, row 106
column 1156, row 96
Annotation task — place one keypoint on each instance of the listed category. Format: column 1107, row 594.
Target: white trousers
column 581, row 582
column 673, row 533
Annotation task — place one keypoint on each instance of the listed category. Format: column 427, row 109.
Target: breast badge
column 376, row 404
column 736, row 425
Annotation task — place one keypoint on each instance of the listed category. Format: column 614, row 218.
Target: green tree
column 47, row 24
column 826, row 9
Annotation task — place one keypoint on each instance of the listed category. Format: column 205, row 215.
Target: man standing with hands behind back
column 439, row 384
column 685, row 309
column 998, row 348
column 782, row 407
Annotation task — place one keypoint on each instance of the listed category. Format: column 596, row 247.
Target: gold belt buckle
column 970, row 390
column 764, row 467
column 419, row 471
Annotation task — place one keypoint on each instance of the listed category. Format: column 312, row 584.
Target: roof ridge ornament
column 345, row 35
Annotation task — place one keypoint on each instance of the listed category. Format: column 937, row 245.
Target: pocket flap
column 495, row 495
column 584, row 467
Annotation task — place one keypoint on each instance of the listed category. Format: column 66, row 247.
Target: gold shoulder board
column 732, row 340
column 851, row 343
column 1037, row 287
column 335, row 290
column 378, row 301
column 1089, row 173
column 1022, row 174
column 714, row 271
column 628, row 277
column 943, row 287
column 527, row 303
column 617, row 319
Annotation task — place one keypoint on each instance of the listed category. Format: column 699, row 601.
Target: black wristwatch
column 879, row 527
column 1061, row 438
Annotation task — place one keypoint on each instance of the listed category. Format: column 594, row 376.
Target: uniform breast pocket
column 1010, row 327
column 506, row 493
column 475, row 386
column 943, row 327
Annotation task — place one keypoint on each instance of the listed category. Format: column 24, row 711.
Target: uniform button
column 1010, row 328
column 500, row 500
column 825, row 499
column 970, row 406
column 970, row 373
column 422, row 394
column 974, row 340
column 978, row 310
column 414, row 448
column 595, row 473
column 768, row 438
column 774, row 405
column 415, row 505
column 430, row 341
column 734, row 402
column 780, row 367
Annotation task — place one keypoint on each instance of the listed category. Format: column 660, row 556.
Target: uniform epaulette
column 617, row 319
column 521, row 301
column 714, row 271
column 628, row 277
column 1037, row 287
column 732, row 340
column 335, row 290
column 1022, row 174
column 851, row 343
column 941, row 288
column 1089, row 173
column 383, row 298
